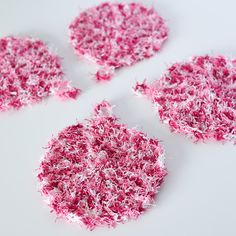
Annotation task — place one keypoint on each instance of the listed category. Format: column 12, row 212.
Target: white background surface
column 198, row 197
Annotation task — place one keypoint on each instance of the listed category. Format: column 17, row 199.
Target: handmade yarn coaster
column 101, row 173
column 116, row 35
column 197, row 98
column 29, row 72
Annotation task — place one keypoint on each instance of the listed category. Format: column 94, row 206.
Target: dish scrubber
column 101, row 173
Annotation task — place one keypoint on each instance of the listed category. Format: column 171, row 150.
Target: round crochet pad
column 116, row 35
column 197, row 98
column 101, row 172
column 29, row 72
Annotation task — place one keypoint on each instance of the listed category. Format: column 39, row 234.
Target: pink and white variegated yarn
column 29, row 72
column 197, row 98
column 101, row 172
column 116, row 35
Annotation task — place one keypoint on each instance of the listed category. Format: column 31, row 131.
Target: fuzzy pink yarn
column 29, row 72
column 101, row 172
column 116, row 35
column 197, row 98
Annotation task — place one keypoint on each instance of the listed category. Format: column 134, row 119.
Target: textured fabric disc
column 116, row 35
column 198, row 98
column 29, row 72
column 101, row 172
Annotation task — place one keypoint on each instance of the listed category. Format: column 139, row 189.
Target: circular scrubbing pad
column 116, row 35
column 29, row 72
column 101, row 172
column 198, row 98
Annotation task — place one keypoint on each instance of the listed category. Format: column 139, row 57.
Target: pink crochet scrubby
column 197, row 98
column 101, row 172
column 116, row 35
column 28, row 73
